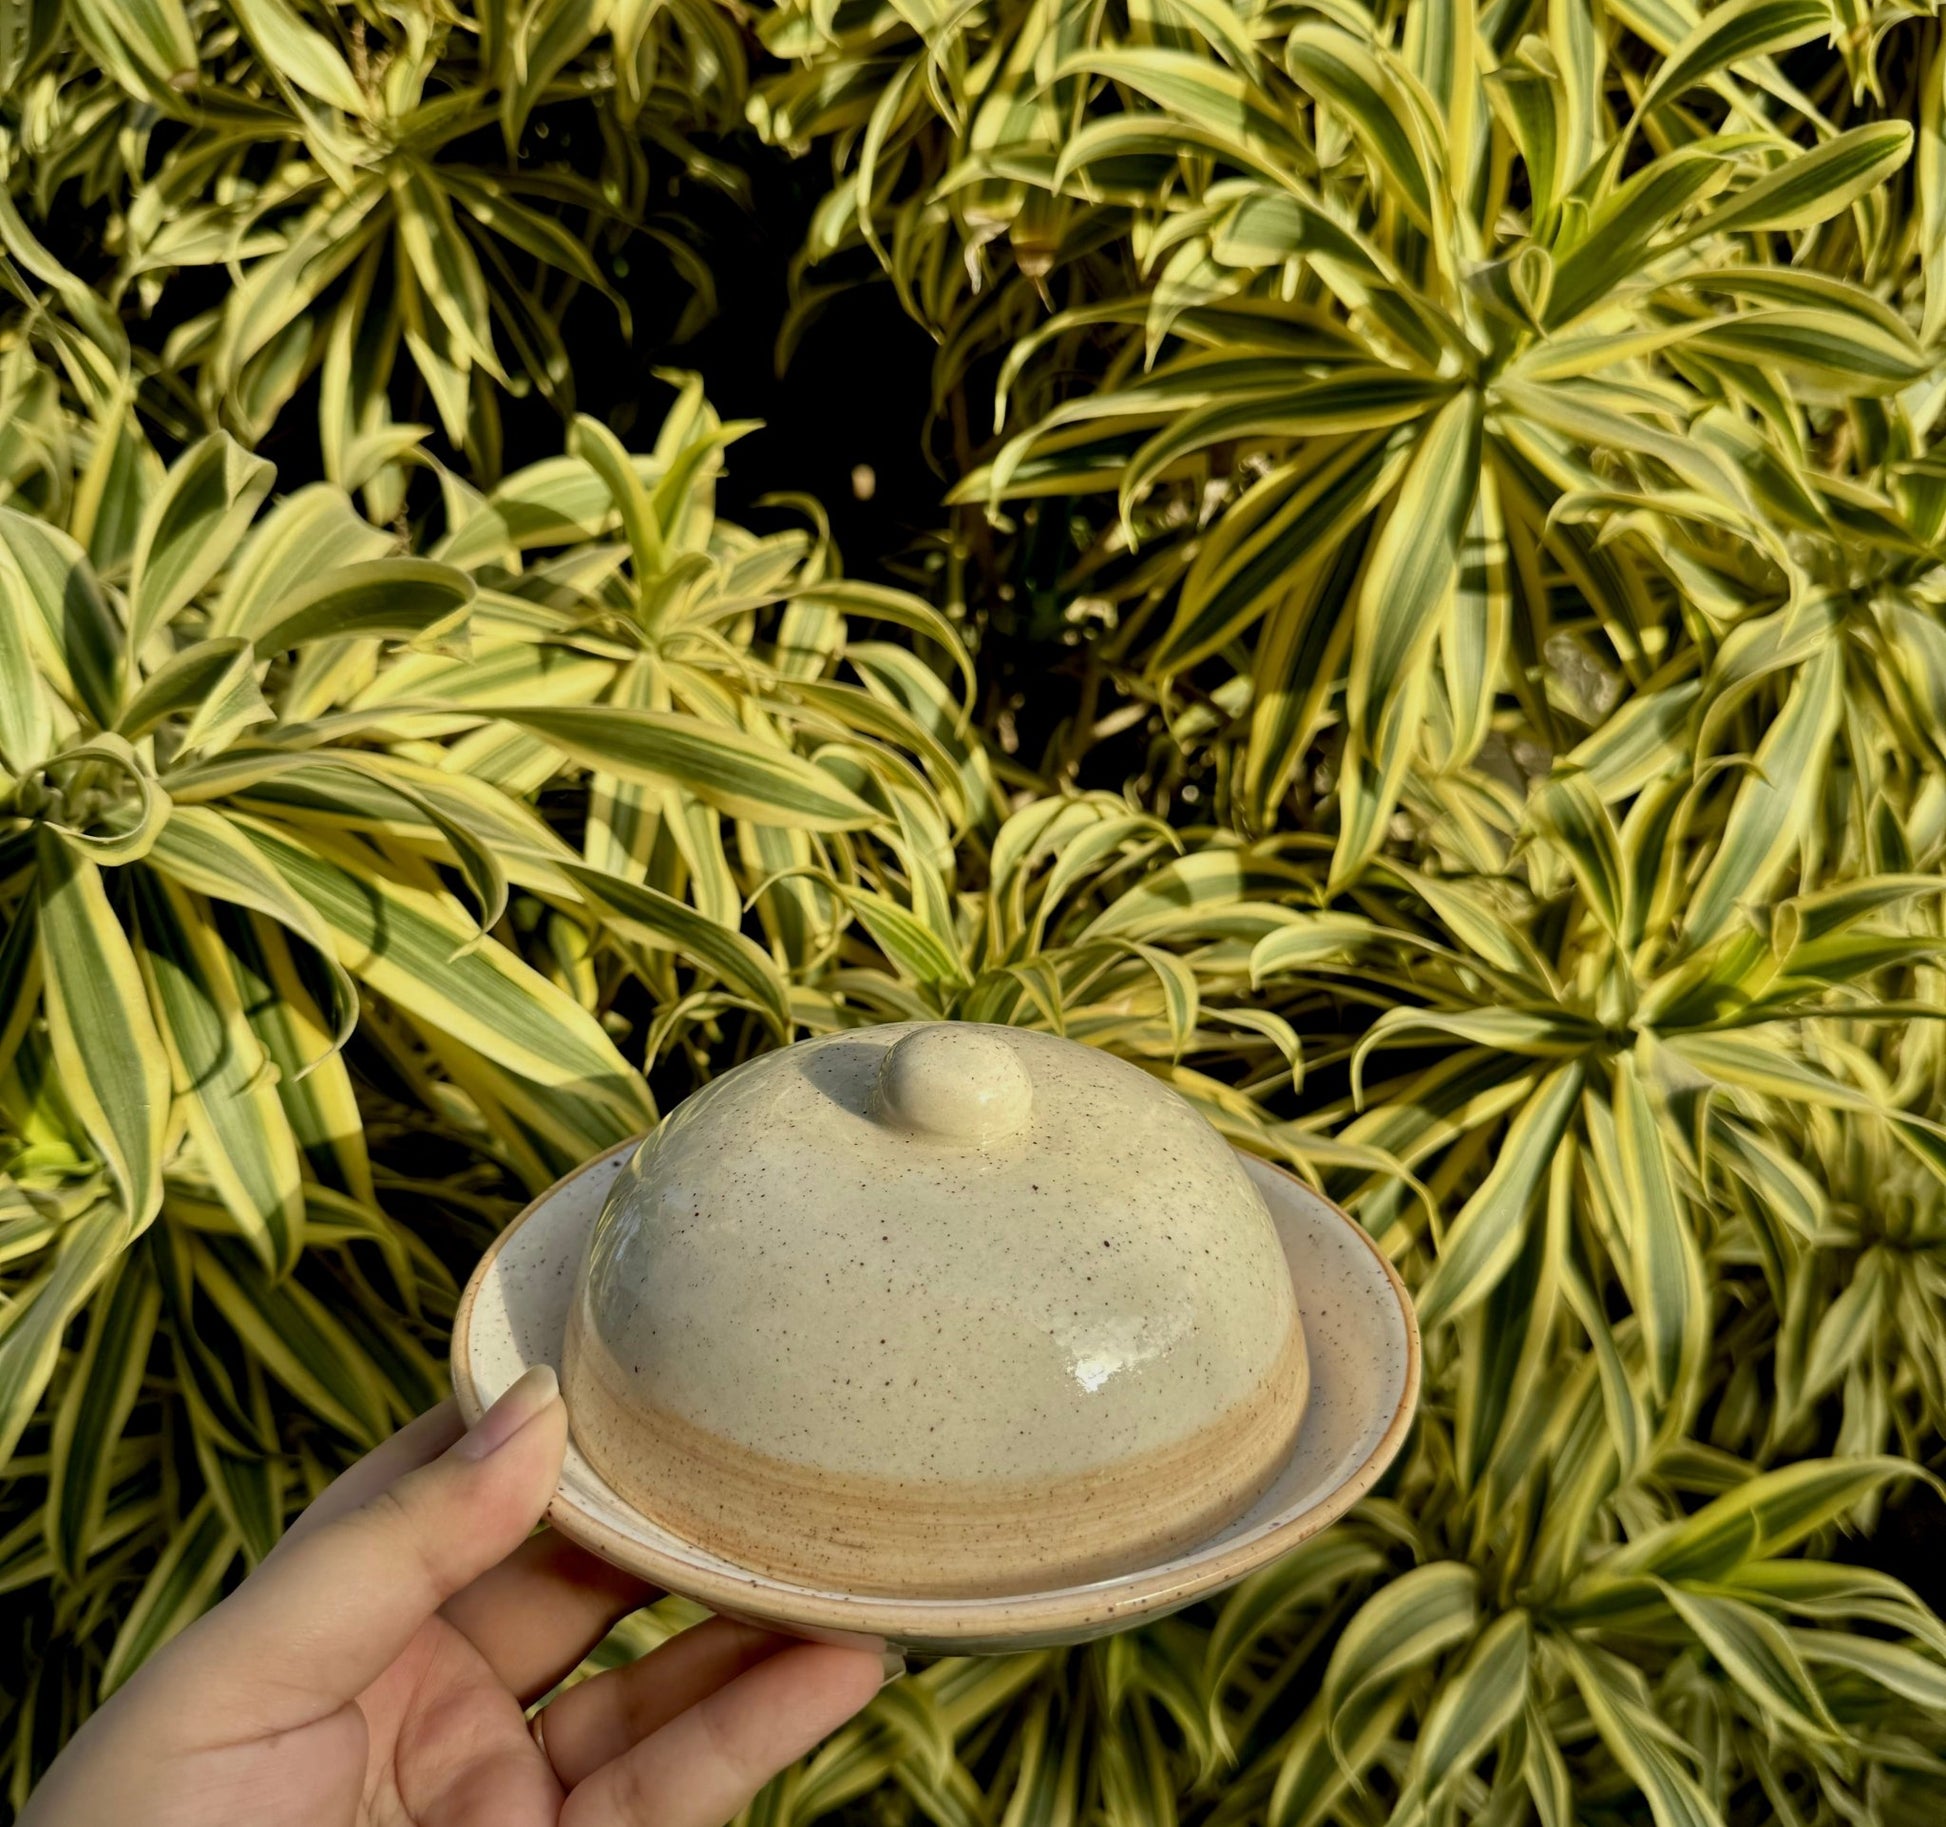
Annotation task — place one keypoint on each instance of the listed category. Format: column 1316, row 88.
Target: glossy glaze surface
column 943, row 1308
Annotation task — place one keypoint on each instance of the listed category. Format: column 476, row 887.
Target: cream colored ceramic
column 1363, row 1351
column 936, row 1309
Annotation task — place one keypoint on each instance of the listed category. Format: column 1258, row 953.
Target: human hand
column 373, row 1671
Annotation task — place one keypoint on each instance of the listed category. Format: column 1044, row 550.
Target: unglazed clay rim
column 1122, row 1598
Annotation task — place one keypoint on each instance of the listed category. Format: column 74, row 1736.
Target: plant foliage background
column 1424, row 629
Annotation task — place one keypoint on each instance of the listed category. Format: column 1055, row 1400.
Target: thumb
column 323, row 1618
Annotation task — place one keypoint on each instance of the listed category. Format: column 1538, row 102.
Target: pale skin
column 374, row 1671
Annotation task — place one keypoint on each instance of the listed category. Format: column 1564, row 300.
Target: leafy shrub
column 383, row 187
column 1473, row 470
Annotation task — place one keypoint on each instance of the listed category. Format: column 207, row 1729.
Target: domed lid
column 936, row 1308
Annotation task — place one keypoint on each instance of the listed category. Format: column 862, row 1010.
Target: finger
column 597, row 1721
column 464, row 1759
column 312, row 1629
column 501, row 1785
column 702, row 1767
column 542, row 1609
column 417, row 1443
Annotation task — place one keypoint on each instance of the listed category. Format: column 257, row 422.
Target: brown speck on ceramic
column 1364, row 1363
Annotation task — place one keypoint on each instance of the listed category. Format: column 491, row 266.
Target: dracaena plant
column 1425, row 333
column 1606, row 1002
column 1457, row 1675
column 686, row 676
column 387, row 191
column 148, row 774
column 1410, row 385
column 1844, row 1299
column 1085, row 916
column 898, row 97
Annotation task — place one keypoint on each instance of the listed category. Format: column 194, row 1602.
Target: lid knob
column 957, row 1081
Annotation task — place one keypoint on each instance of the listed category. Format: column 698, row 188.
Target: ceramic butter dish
column 937, row 1309
column 961, row 1338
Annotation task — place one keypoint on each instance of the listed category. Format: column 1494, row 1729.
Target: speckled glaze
column 1363, row 1345
column 936, row 1309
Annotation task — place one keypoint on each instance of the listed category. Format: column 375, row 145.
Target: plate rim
column 1121, row 1598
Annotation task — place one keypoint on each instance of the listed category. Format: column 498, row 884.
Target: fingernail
column 894, row 1666
column 528, row 1396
